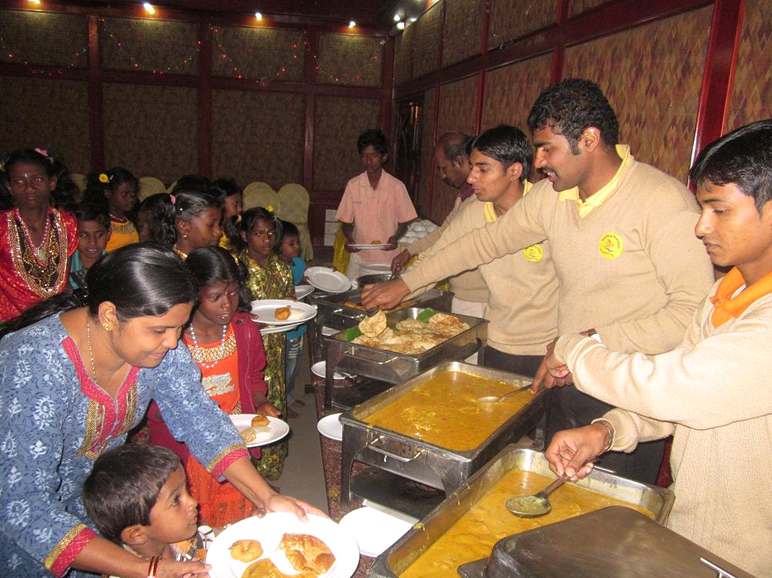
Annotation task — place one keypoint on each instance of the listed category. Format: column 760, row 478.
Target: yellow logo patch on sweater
column 611, row 245
column 534, row 253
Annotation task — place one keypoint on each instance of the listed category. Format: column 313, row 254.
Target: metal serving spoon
column 536, row 504
column 496, row 398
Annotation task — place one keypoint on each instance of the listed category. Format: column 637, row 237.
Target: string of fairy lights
column 295, row 51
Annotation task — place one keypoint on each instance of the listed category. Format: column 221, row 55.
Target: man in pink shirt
column 375, row 208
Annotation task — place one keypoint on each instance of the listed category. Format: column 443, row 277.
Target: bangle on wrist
column 611, row 433
column 152, row 567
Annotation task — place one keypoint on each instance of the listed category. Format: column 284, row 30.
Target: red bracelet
column 151, row 569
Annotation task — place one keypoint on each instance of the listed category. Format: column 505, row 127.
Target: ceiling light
column 34, row 1
column 397, row 17
column 352, row 24
column 412, row 19
column 400, row 25
column 258, row 16
column 149, row 8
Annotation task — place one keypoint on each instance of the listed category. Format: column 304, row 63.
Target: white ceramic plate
column 373, row 530
column 327, row 280
column 269, row 531
column 370, row 246
column 268, row 434
column 266, row 308
column 330, row 427
column 278, row 328
column 302, row 291
column 319, row 369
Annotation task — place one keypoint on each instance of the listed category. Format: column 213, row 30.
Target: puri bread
column 248, row 435
column 246, row 550
column 373, row 326
column 307, row 553
column 259, row 420
column 265, row 568
column 282, row 313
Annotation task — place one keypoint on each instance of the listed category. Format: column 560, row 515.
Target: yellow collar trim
column 490, row 211
column 597, row 199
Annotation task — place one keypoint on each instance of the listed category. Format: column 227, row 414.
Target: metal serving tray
column 404, row 552
column 607, row 543
column 393, row 367
column 417, row 460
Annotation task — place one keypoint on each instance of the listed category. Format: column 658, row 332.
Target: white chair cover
column 149, row 186
column 294, row 208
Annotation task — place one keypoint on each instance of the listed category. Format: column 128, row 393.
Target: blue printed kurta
column 54, row 422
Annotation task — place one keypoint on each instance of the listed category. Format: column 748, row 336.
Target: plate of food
column 325, row 279
column 259, row 430
column 280, row 543
column 302, row 291
column 282, row 311
column 268, row 329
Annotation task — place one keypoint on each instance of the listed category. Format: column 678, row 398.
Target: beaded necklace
column 39, row 251
column 199, row 352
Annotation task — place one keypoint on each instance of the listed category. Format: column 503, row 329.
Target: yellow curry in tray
column 473, row 536
column 444, row 411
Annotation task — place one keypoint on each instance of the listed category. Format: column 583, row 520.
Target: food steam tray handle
column 376, row 447
column 369, row 359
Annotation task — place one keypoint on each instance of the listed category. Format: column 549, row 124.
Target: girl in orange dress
column 227, row 347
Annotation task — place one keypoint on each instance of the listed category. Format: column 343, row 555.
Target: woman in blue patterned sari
column 74, row 382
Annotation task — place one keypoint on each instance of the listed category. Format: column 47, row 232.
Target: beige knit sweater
column 714, row 392
column 468, row 286
column 640, row 299
column 523, row 303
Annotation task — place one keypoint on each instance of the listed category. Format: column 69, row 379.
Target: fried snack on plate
column 259, row 420
column 248, row 435
column 265, row 568
column 282, row 313
column 246, row 550
column 376, row 242
column 307, row 553
column 373, row 326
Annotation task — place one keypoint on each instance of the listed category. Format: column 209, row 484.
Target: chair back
column 294, row 203
column 149, row 186
column 258, row 194
column 80, row 181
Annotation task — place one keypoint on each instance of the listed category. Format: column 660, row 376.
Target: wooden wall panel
column 426, row 41
column 40, row 38
column 510, row 91
column 751, row 97
column 461, row 30
column 338, row 123
column 403, row 56
column 148, row 45
column 512, row 19
column 151, row 130
column 258, row 136
column 652, row 76
column 347, row 59
column 423, row 195
column 49, row 114
column 264, row 54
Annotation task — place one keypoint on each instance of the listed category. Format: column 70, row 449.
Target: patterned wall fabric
column 148, row 45
column 427, row 41
column 403, row 56
column 510, row 91
column 338, row 122
column 461, row 30
column 40, row 38
column 151, row 130
column 458, row 102
column 426, row 165
column 350, row 60
column 265, row 54
column 46, row 113
column 512, row 19
column 652, row 76
column 751, row 97
column 258, row 136
column 578, row 6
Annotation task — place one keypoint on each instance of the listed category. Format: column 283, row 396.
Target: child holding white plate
column 268, row 277
column 227, row 347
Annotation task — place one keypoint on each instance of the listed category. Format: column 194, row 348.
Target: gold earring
column 184, row 235
column 106, row 326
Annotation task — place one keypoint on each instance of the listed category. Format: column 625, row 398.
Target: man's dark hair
column 506, row 144
column 87, row 211
column 455, row 144
column 742, row 158
column 373, row 137
column 570, row 107
column 124, row 484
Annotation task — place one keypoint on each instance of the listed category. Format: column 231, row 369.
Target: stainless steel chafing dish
column 418, row 460
column 404, row 552
column 393, row 367
column 608, row 543
column 333, row 312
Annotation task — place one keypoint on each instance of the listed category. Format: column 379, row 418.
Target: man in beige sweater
column 523, row 304
column 451, row 156
column 712, row 392
column 621, row 233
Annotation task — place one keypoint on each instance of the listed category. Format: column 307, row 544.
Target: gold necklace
column 91, row 351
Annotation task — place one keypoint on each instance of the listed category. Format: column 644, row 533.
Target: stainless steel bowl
column 370, row 279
